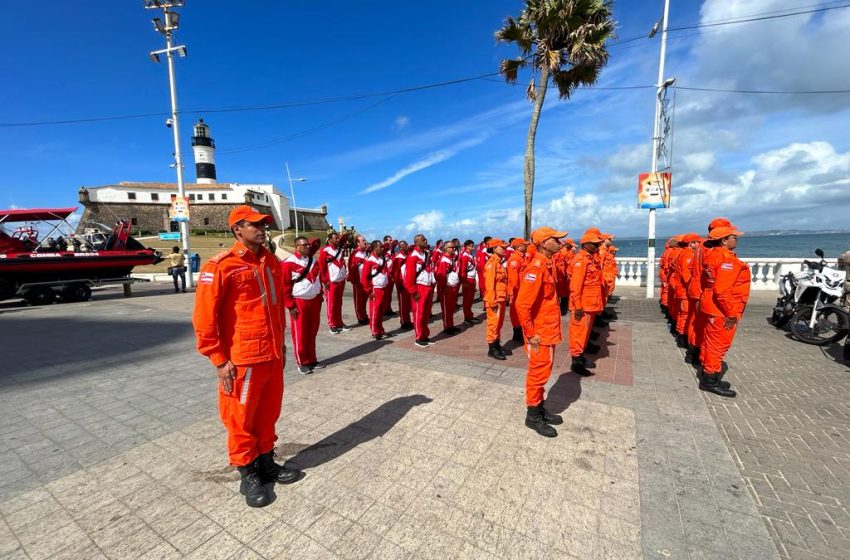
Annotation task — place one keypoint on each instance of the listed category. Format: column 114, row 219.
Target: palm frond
column 509, row 68
column 531, row 91
column 518, row 32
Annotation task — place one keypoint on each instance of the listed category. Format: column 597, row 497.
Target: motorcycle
column 808, row 304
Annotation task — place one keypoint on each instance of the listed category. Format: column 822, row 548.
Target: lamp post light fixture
column 166, row 26
column 292, row 192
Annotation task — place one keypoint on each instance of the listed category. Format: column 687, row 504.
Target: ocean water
column 776, row 246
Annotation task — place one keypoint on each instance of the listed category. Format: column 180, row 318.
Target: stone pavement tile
column 329, row 528
column 195, row 535
column 16, row 554
column 48, row 544
column 405, row 533
column 219, row 547
column 275, row 539
column 356, row 544
column 162, row 551
column 240, row 521
column 305, row 548
column 8, row 541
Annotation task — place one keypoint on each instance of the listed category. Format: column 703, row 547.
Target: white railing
column 766, row 272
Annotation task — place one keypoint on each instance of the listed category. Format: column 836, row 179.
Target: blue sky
column 446, row 161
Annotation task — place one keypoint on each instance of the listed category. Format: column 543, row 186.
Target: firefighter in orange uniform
column 495, row 296
column 515, row 263
column 585, row 301
column 239, row 322
column 683, row 270
column 723, row 301
column 562, row 260
column 664, row 273
column 673, row 282
column 540, row 316
column 695, row 289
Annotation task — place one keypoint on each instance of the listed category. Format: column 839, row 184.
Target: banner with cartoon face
column 654, row 190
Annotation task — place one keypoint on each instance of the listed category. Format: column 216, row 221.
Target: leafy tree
column 562, row 41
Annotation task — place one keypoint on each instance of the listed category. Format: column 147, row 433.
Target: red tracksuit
column 468, row 274
column 448, row 281
column 388, row 299
column 333, row 274
column 398, row 281
column 375, row 280
column 355, row 267
column 481, row 256
column 303, row 292
column 419, row 279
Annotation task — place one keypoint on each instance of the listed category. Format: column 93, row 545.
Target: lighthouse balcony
column 203, row 141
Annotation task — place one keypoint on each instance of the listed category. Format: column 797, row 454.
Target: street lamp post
column 167, row 27
column 292, row 192
column 656, row 140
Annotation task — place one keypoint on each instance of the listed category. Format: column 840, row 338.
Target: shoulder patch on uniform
column 207, row 278
column 218, row 257
column 530, row 277
column 726, row 266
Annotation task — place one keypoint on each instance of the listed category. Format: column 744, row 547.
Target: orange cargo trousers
column 717, row 340
column 696, row 323
column 682, row 315
column 250, row 410
column 540, row 363
column 495, row 320
column 580, row 332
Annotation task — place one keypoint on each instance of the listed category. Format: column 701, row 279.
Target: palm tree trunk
column 529, row 146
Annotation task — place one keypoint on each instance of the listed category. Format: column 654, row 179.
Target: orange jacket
column 609, row 265
column 515, row 264
column 239, row 311
column 495, row 281
column 683, row 267
column 673, row 279
column 537, row 301
column 562, row 260
column 726, row 284
column 586, row 283
column 695, row 285
column 663, row 271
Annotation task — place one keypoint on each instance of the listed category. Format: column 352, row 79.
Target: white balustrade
column 766, row 272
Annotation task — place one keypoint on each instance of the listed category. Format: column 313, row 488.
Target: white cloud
column 424, row 163
column 401, row 122
column 427, row 222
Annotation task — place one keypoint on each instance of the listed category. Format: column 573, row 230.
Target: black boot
column 564, row 306
column 681, row 341
column 495, row 353
column 594, row 335
column 724, row 384
column 504, row 351
column 252, row 486
column 272, row 472
column 518, row 335
column 689, row 354
column 592, row 348
column 534, row 420
column 579, row 368
column 550, row 418
column 590, row 364
column 711, row 382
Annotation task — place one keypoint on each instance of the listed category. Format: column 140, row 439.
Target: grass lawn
column 207, row 246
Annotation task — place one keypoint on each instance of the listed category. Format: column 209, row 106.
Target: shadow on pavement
column 359, row 350
column 76, row 346
column 565, row 391
column 373, row 425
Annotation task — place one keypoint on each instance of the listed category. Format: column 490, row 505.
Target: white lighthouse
column 204, row 147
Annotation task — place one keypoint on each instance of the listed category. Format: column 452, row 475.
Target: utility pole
column 167, row 28
column 656, row 141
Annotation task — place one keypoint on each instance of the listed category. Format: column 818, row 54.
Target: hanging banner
column 654, row 190
column 179, row 209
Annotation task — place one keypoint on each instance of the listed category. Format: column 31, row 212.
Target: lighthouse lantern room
column 204, row 148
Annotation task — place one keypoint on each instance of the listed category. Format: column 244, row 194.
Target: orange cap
column 540, row 235
column 723, row 231
column 607, row 236
column 592, row 235
column 719, row 222
column 688, row 237
column 248, row 213
column 496, row 242
column 568, row 241
column 518, row 241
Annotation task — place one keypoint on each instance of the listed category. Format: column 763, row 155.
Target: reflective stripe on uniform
column 271, row 285
column 262, row 288
column 244, row 396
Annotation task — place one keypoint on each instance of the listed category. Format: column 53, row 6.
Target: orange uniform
column 672, row 283
column 696, row 322
column 683, row 267
column 537, row 307
column 726, row 283
column 586, row 294
column 495, row 295
column 663, row 273
column 562, row 260
column 609, row 271
column 239, row 317
column 515, row 264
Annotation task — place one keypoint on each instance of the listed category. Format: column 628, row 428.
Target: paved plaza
column 111, row 447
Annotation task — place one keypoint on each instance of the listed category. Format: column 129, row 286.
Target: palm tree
column 561, row 40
